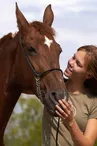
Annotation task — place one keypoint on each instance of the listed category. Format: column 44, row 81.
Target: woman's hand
column 66, row 112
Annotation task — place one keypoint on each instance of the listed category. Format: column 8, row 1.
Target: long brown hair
column 91, row 84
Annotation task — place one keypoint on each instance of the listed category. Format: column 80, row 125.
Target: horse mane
column 44, row 29
column 39, row 26
column 5, row 39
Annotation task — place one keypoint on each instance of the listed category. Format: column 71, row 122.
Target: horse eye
column 31, row 50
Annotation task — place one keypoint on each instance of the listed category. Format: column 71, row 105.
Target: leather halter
column 37, row 75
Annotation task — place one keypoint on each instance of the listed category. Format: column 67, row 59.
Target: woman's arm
column 86, row 139
column 80, row 139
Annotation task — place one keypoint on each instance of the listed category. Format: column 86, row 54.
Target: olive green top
column 86, row 108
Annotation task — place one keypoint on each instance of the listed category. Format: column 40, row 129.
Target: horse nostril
column 59, row 94
column 53, row 98
column 53, row 94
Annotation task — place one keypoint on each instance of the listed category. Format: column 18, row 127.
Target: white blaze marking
column 48, row 42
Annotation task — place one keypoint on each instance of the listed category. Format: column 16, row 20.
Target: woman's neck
column 75, row 87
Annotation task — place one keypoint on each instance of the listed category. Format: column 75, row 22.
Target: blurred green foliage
column 96, row 143
column 24, row 127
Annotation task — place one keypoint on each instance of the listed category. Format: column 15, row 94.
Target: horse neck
column 9, row 92
column 8, row 48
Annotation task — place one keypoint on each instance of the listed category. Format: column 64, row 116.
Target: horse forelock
column 43, row 29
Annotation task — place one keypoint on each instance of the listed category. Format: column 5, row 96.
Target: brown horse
column 29, row 63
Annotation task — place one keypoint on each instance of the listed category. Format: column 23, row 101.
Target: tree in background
column 24, row 127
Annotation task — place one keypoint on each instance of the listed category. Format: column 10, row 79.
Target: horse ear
column 48, row 15
column 21, row 20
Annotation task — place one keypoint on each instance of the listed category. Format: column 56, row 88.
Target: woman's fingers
column 66, row 106
column 66, row 112
column 61, row 112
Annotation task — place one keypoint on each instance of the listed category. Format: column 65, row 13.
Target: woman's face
column 77, row 67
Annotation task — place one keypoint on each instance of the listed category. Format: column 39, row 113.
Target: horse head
column 38, row 69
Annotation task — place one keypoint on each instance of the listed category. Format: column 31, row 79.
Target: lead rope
column 57, row 131
column 40, row 97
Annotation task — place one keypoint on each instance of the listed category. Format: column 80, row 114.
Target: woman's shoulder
column 86, row 99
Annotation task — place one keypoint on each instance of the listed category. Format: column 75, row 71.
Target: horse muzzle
column 51, row 100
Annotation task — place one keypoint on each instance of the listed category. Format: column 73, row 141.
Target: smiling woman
column 76, row 128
